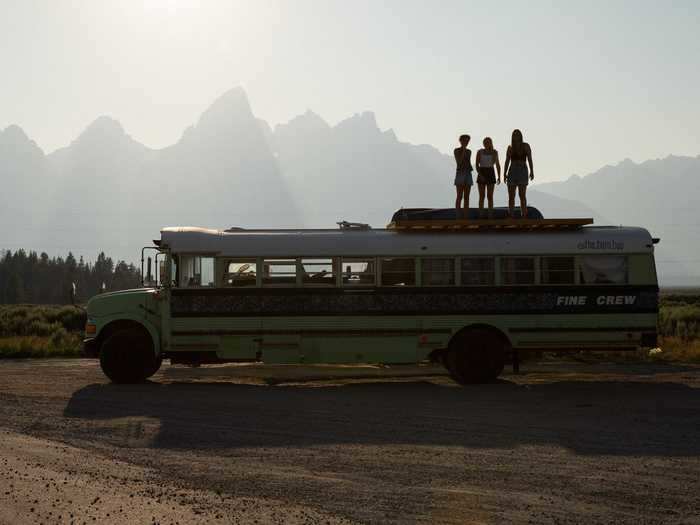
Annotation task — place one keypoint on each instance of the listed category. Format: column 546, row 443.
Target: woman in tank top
column 486, row 159
column 463, row 177
column 518, row 158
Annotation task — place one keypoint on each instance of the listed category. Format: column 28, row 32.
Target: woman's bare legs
column 511, row 200
column 458, row 202
column 482, row 194
column 522, row 189
column 489, row 190
column 467, row 191
column 465, row 213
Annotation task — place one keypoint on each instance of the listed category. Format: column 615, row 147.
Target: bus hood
column 121, row 301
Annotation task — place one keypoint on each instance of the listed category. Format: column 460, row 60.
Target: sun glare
column 168, row 7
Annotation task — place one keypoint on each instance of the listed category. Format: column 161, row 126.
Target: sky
column 589, row 83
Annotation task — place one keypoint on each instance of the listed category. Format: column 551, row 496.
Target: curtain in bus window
column 196, row 271
column 398, row 272
column 206, row 271
column 187, row 271
column 478, row 271
column 604, row 269
column 437, row 272
column 518, row 270
column 173, row 270
column 557, row 270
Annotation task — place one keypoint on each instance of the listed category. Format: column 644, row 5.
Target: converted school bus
column 466, row 294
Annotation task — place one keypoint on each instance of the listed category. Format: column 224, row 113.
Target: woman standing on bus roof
column 518, row 154
column 463, row 176
column 486, row 158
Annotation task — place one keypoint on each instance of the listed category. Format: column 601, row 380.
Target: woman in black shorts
column 518, row 158
column 486, row 159
column 463, row 177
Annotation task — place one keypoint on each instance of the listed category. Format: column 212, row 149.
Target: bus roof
column 382, row 242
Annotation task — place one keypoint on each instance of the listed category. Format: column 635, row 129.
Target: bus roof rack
column 477, row 225
column 445, row 219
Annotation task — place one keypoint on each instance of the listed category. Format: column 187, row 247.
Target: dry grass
column 677, row 349
column 56, row 345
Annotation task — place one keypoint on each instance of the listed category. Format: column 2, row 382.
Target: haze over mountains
column 659, row 194
column 106, row 191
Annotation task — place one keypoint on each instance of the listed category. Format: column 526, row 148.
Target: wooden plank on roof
column 489, row 224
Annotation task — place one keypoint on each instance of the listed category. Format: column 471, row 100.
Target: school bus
column 468, row 297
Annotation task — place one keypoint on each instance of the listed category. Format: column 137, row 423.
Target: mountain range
column 106, row 191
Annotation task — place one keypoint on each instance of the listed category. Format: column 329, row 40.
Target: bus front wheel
column 127, row 356
column 476, row 355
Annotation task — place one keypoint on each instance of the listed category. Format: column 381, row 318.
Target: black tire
column 476, row 355
column 451, row 370
column 157, row 362
column 127, row 356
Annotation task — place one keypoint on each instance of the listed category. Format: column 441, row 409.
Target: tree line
column 31, row 278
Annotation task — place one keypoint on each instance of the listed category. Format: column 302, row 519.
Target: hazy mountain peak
column 390, row 134
column 308, row 123
column 361, row 128
column 14, row 138
column 310, row 119
column 13, row 133
column 102, row 128
column 233, row 105
column 361, row 121
column 626, row 162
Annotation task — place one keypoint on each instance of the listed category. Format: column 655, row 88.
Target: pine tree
column 42, row 279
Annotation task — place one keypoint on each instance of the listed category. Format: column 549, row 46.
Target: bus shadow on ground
column 586, row 417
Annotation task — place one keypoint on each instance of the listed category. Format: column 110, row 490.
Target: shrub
column 40, row 331
column 681, row 321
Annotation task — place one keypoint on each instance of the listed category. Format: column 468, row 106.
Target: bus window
column 279, row 272
column 518, row 270
column 317, row 272
column 604, row 269
column 557, row 270
column 196, row 271
column 358, row 272
column 173, row 270
column 478, row 271
column 240, row 273
column 438, row 272
column 398, row 272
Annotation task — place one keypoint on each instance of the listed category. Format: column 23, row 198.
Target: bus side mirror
column 149, row 276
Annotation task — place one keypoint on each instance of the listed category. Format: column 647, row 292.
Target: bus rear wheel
column 127, row 356
column 476, row 356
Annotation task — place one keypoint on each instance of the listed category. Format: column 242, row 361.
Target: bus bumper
column 90, row 348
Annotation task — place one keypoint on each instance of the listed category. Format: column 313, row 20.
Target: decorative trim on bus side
column 404, row 301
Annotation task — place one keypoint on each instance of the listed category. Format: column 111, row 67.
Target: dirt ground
column 559, row 443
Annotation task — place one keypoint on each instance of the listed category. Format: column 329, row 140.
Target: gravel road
column 559, row 443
